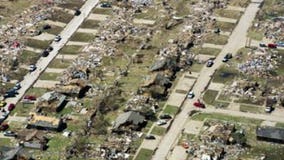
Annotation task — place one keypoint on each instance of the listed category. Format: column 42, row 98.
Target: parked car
column 165, row 116
column 11, row 106
column 149, row 136
column 268, row 109
column 210, row 63
column 262, row 45
column 198, row 104
column 190, row 95
column 272, row 45
column 9, row 134
column 77, row 12
column 161, row 122
column 57, row 38
column 105, row 5
column 49, row 49
column 2, row 103
column 4, row 127
column 45, row 53
column 280, row 44
column 32, row 68
column 29, row 98
column 17, row 86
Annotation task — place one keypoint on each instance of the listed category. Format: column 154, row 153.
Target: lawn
column 255, row 34
column 144, row 154
column 70, row 49
column 37, row 43
column 203, row 116
column 82, row 37
column 61, row 16
column 71, row 4
column 23, row 109
column 251, row 109
column 224, row 75
column 55, row 30
column 49, row 76
column 157, row 130
column 58, row 143
column 58, row 63
column 36, row 91
column 207, row 51
column 239, row 3
column 29, row 57
column 210, row 96
column 196, row 67
column 107, row 11
column 18, row 74
column 5, row 142
column 216, row 39
column 280, row 125
column 93, row 24
column 225, row 26
column 228, row 13
column 172, row 110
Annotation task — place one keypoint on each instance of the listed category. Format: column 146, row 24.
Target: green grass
column 58, row 63
column 29, row 57
column 18, row 74
column 49, row 76
column 203, row 116
column 239, row 3
column 225, row 26
column 23, row 109
column 246, row 100
column 71, row 4
column 160, row 131
column 230, row 74
column 61, row 16
column 228, row 13
column 144, row 154
column 280, row 125
column 196, row 67
column 58, row 143
column 207, row 51
column 93, row 24
column 171, row 110
column 107, row 11
column 36, row 91
column 37, row 43
column 5, row 142
column 82, row 37
column 210, row 96
column 70, row 49
column 251, row 109
column 216, row 39
column 255, row 34
column 55, row 30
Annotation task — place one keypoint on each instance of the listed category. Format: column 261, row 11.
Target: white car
column 190, row 95
column 57, row 38
column 161, row 122
column 268, row 109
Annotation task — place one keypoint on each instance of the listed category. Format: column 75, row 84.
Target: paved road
column 42, row 64
column 236, row 41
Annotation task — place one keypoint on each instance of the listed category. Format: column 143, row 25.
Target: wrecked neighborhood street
column 141, row 79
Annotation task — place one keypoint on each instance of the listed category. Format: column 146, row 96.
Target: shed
column 270, row 134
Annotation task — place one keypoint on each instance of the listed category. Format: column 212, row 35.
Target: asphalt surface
column 236, row 41
column 43, row 62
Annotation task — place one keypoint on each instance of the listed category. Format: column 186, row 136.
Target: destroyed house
column 9, row 153
column 44, row 122
column 75, row 87
column 51, row 101
column 270, row 134
column 131, row 118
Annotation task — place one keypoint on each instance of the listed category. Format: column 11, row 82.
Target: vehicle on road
column 165, row 116
column 77, row 12
column 4, row 127
column 190, row 95
column 45, row 53
column 268, row 109
column 9, row 134
column 105, row 5
column 2, row 103
column 227, row 57
column 11, row 107
column 280, row 44
column 32, row 67
column 49, row 49
column 198, row 104
column 272, row 45
column 262, row 45
column 161, row 122
column 57, row 38
column 210, row 63
column 149, row 136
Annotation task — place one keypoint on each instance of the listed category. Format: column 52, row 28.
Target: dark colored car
column 149, row 136
column 11, row 106
column 45, row 53
column 30, row 98
column 46, row 27
column 49, row 49
column 77, row 12
column 210, row 63
column 4, row 127
column 227, row 57
column 272, row 45
column 199, row 104
column 165, row 116
column 105, row 5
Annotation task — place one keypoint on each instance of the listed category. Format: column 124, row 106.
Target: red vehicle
column 272, row 45
column 11, row 106
column 3, row 127
column 30, row 98
column 198, row 104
